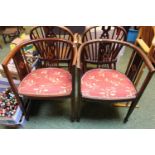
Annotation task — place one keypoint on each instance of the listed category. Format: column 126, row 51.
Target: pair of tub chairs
column 86, row 64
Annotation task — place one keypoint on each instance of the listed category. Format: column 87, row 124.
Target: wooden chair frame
column 137, row 59
column 24, row 69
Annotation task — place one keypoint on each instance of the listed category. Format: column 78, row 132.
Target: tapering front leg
column 132, row 106
column 72, row 108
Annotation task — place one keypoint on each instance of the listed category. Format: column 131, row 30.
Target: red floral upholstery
column 106, row 84
column 46, row 82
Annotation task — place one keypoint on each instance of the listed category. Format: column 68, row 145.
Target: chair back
column 51, row 32
column 104, row 32
column 52, row 52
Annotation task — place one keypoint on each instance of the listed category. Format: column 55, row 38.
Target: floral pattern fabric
column 46, row 82
column 106, row 84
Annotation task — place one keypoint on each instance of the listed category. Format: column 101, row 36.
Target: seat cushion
column 46, row 82
column 107, row 84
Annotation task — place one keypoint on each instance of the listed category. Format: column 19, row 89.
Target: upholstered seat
column 46, row 82
column 106, row 84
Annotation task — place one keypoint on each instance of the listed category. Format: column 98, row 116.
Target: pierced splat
column 104, row 51
column 49, row 32
column 21, row 64
column 105, row 33
column 108, row 54
column 48, row 52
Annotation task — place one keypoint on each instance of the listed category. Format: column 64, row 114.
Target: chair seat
column 106, row 84
column 46, row 82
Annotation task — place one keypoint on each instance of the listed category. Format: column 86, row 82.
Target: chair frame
column 131, row 73
column 20, row 62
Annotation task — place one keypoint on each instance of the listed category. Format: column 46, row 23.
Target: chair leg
column 78, row 101
column 72, row 109
column 78, row 116
column 25, row 104
column 78, row 110
column 132, row 106
column 28, row 109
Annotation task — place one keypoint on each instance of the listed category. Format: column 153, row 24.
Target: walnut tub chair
column 98, row 84
column 49, row 80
